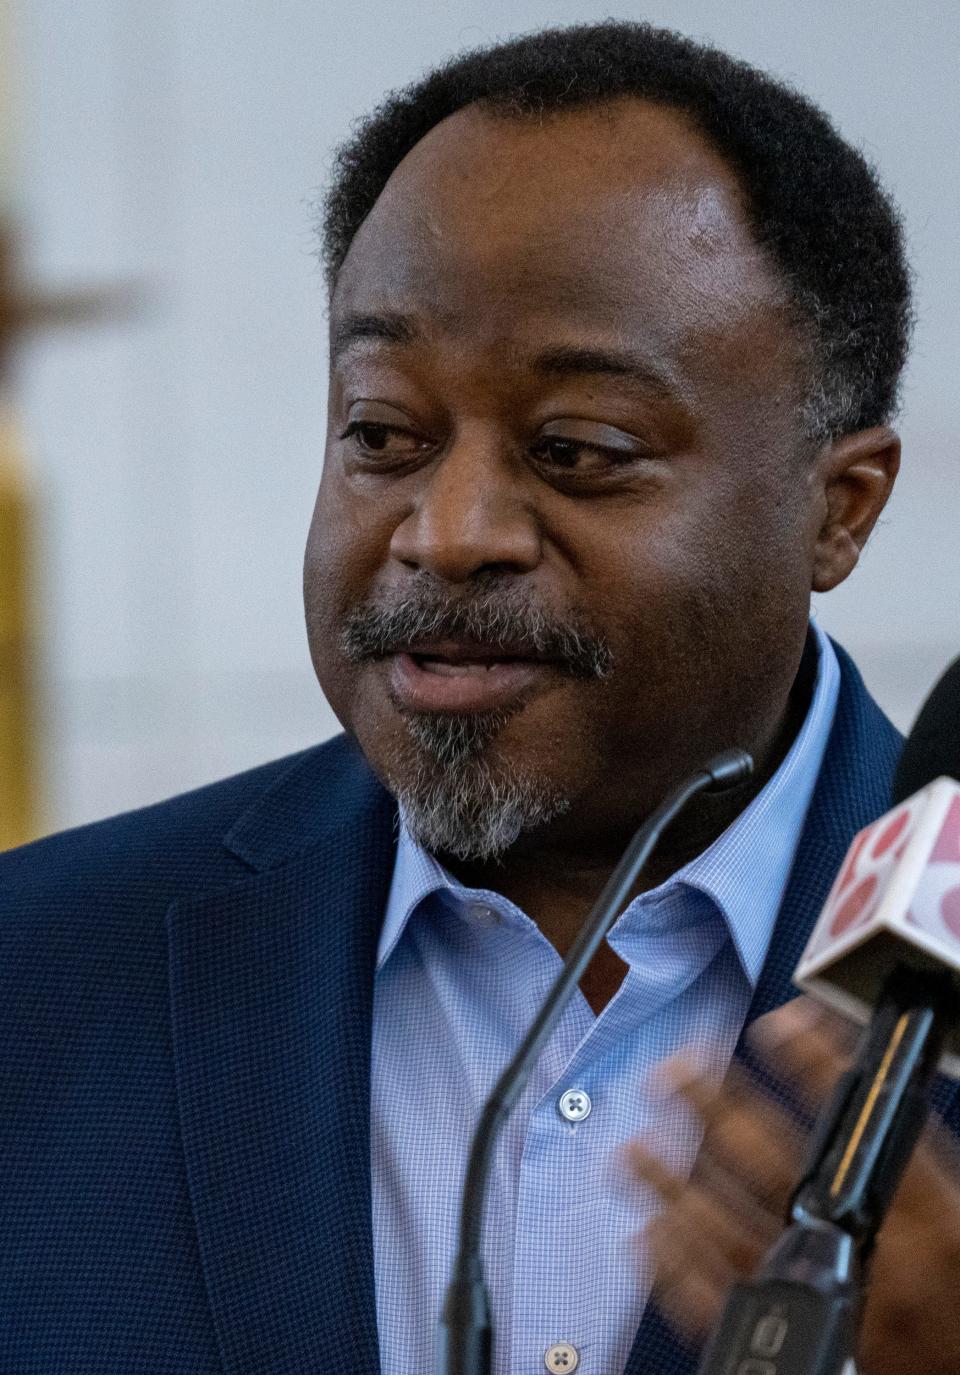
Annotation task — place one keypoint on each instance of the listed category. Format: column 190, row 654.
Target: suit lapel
column 271, row 997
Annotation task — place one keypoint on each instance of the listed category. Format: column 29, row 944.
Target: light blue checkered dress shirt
column 460, row 974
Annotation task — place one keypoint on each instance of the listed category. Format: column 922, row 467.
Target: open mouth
column 452, row 667
column 455, row 677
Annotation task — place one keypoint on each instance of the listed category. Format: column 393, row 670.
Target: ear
column 856, row 476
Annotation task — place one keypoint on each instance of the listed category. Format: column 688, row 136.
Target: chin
column 476, row 811
column 461, row 788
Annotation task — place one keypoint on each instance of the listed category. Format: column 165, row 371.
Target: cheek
column 701, row 599
column 347, row 547
column 347, row 543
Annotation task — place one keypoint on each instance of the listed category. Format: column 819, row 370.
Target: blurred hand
column 716, row 1226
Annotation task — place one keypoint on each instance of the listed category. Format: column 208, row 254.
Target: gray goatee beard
column 454, row 801
column 455, row 795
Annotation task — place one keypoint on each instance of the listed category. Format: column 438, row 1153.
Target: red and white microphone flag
column 895, row 901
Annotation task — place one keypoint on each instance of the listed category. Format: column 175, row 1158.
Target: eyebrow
column 353, row 329
column 572, row 361
column 562, row 361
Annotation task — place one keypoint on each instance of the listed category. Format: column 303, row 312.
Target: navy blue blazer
column 185, row 1018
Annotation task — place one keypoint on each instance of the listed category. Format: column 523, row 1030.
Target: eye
column 563, row 453
column 607, row 451
column 373, row 438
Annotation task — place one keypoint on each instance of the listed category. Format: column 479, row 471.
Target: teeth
column 449, row 669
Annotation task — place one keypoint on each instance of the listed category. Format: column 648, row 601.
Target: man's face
column 561, row 552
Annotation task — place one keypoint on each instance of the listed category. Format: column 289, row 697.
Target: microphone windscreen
column 895, row 901
column 932, row 749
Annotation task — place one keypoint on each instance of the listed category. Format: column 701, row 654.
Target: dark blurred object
column 21, row 311
column 17, row 754
column 934, row 738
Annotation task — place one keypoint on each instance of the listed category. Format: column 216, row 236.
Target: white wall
column 177, row 453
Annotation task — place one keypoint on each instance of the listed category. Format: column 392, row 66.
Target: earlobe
column 856, row 474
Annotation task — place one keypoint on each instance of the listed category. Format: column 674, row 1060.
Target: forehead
column 617, row 217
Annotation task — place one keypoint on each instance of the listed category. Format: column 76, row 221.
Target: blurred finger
column 744, row 1133
column 724, row 1235
column 805, row 1044
column 690, row 1302
column 653, row 1172
column 761, row 1220
column 930, row 1189
column 674, row 1252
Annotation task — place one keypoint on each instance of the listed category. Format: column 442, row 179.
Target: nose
column 470, row 515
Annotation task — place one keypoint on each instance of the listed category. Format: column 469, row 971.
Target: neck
column 556, row 884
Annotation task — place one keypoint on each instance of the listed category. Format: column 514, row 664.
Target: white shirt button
column 574, row 1105
column 561, row 1356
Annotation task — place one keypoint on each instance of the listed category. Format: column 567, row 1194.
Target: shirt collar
column 416, row 874
column 745, row 871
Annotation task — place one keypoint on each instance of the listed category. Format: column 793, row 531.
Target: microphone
column 888, row 939
column 465, row 1344
column 894, row 905
column 934, row 744
column 897, row 896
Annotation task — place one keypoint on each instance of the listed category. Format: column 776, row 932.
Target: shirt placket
column 541, row 1310
column 568, row 1137
column 553, row 1327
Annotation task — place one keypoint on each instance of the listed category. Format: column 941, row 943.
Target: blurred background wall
column 173, row 454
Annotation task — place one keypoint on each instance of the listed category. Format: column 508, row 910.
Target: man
column 616, row 326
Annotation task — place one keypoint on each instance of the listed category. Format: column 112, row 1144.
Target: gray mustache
column 494, row 617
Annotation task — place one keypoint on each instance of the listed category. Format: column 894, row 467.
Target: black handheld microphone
column 466, row 1328
column 886, row 950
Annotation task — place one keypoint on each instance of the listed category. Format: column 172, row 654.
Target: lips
column 463, row 677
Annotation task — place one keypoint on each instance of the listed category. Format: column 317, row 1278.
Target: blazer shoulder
column 155, row 853
column 862, row 723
